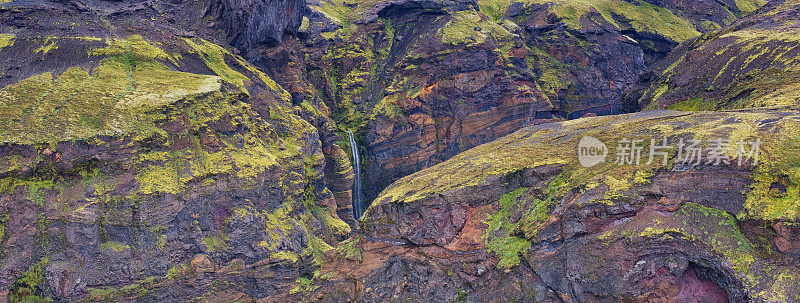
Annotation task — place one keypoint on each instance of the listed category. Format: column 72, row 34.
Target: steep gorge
column 150, row 156
column 421, row 81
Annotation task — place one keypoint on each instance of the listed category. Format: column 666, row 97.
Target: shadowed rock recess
column 201, row 151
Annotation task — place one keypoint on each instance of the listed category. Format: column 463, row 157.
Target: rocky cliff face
column 421, row 81
column 137, row 164
column 193, row 150
column 519, row 219
column 747, row 64
column 253, row 23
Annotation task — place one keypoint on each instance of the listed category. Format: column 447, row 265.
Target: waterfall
column 357, row 205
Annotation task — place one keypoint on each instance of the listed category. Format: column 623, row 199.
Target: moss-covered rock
column 119, row 96
column 747, row 64
column 118, row 148
column 524, row 201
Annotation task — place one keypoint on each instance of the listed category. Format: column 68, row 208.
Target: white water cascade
column 358, row 206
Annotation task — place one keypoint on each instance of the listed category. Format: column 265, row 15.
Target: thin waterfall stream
column 357, row 204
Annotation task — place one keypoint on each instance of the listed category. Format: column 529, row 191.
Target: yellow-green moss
column 37, row 190
column 304, row 24
column 347, row 86
column 215, row 58
column 350, row 250
column 389, row 106
column 508, row 250
column 279, row 226
column 553, row 75
column 642, row 16
column 316, row 248
column 31, row 286
column 776, row 181
column 694, row 104
column 3, row 220
column 135, row 290
column 469, row 27
column 134, row 45
column 47, row 190
column 286, row 255
column 333, row 224
column 171, row 172
column 47, row 45
column 214, row 243
column 114, row 98
column 759, row 70
column 748, row 6
column 308, row 283
column 494, row 9
column 343, row 12
column 504, row 234
column 115, row 246
column 7, row 40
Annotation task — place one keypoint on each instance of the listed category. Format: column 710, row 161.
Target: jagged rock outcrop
column 253, row 23
column 751, row 63
column 519, row 219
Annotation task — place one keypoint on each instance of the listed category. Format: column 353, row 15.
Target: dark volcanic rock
column 252, row 23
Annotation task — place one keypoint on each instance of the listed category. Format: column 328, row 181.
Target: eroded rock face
column 747, row 64
column 560, row 232
column 421, row 81
column 144, row 160
column 419, row 96
column 253, row 23
column 140, row 161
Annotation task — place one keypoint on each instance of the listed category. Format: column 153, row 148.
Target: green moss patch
column 3, row 220
column 31, row 286
column 115, row 246
column 134, row 45
column 693, row 104
column 553, row 75
column 519, row 218
column 7, row 40
column 136, row 290
column 469, row 27
column 217, row 59
column 350, row 250
column 118, row 96
column 494, row 9
column 642, row 16
column 214, row 243
column 776, row 181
